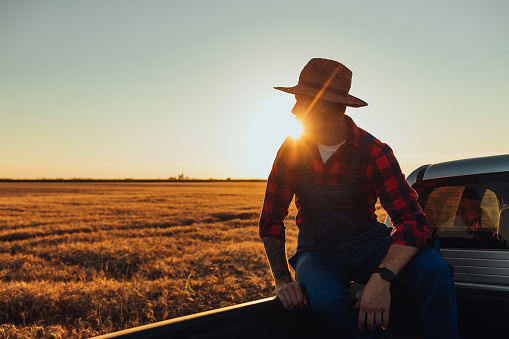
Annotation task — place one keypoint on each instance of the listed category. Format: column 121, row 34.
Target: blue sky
column 151, row 89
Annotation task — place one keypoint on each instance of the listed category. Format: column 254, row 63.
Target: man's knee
column 432, row 274
column 437, row 269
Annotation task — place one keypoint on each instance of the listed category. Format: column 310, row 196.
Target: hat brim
column 349, row 100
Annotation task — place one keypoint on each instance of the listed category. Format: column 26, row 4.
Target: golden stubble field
column 84, row 259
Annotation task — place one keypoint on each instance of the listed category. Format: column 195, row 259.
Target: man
column 336, row 172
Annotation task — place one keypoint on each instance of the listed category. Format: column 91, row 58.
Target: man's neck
column 334, row 132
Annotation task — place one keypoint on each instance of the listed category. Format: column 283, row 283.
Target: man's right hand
column 292, row 295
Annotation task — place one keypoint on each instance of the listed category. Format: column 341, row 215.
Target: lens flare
column 295, row 129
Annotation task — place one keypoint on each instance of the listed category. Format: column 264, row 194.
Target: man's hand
column 292, row 295
column 374, row 304
column 375, row 300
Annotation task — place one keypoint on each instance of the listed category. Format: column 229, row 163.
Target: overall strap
column 302, row 170
column 355, row 166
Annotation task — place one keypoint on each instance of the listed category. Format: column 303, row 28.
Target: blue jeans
column 326, row 276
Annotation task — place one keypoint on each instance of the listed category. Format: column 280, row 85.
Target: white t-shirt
column 327, row 151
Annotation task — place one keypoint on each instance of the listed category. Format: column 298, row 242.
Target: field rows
column 83, row 259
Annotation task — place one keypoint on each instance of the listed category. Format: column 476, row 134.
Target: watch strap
column 385, row 273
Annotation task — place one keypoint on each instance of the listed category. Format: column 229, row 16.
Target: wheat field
column 84, row 259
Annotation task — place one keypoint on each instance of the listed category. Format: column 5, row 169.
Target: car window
column 467, row 212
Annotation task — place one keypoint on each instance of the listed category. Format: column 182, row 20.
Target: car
column 466, row 203
column 467, row 206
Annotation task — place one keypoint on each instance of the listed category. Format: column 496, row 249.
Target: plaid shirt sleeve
column 399, row 200
column 278, row 194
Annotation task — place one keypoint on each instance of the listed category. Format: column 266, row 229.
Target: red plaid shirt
column 381, row 177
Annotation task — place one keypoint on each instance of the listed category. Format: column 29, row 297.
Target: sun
column 295, row 129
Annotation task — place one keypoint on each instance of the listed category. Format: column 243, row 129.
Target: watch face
column 385, row 273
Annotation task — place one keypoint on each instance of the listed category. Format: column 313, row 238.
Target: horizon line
column 128, row 179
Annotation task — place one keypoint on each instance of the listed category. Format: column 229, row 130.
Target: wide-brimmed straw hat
column 326, row 80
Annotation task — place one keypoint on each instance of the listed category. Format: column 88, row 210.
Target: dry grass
column 83, row 259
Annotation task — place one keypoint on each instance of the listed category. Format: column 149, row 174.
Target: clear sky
column 152, row 89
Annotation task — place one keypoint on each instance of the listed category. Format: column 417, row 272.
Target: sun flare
column 295, row 129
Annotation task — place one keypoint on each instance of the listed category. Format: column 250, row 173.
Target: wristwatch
column 385, row 273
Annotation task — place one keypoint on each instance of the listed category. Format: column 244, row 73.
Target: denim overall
column 336, row 217
column 339, row 241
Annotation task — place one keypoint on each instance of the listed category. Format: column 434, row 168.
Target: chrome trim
column 468, row 262
column 491, row 164
column 475, row 254
column 481, row 270
column 479, row 267
column 481, row 279
column 482, row 287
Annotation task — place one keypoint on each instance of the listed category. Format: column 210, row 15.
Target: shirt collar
column 354, row 132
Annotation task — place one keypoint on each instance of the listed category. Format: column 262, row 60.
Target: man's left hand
column 374, row 304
